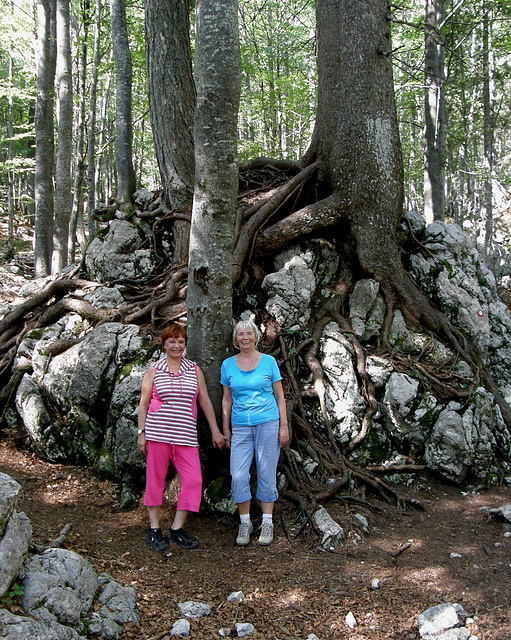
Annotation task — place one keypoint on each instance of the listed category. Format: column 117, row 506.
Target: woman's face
column 174, row 346
column 245, row 338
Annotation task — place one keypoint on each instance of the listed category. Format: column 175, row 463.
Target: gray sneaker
column 266, row 536
column 244, row 533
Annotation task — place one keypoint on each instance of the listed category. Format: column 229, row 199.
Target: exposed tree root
column 285, row 192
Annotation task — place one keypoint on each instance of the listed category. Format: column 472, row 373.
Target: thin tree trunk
column 10, row 172
column 487, row 246
column 126, row 180
column 77, row 207
column 63, row 195
column 45, row 149
column 91, row 133
column 218, row 78
column 434, row 108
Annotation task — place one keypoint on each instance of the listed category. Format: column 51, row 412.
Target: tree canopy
column 278, row 102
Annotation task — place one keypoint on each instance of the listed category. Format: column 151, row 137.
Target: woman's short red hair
column 174, row 331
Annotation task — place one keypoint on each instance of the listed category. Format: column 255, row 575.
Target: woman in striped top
column 167, row 432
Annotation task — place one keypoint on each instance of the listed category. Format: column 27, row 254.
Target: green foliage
column 13, row 597
column 279, row 86
column 461, row 32
column 279, row 81
column 17, row 90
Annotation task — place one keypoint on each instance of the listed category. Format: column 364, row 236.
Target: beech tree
column 171, row 91
column 218, row 80
column 44, row 142
column 434, row 113
column 63, row 192
column 126, row 182
column 91, row 131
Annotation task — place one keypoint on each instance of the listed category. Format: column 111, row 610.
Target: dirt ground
column 292, row 588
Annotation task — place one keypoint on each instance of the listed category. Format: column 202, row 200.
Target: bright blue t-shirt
column 253, row 401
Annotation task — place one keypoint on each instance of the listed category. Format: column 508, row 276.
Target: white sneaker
column 266, row 536
column 244, row 533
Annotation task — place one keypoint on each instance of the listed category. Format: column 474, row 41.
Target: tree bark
column 76, row 221
column 63, row 195
column 218, row 78
column 172, row 100
column 10, row 172
column 356, row 133
column 487, row 245
column 126, row 181
column 434, row 110
column 44, row 141
column 91, row 132
column 357, row 139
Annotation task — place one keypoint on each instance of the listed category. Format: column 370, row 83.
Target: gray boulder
column 14, row 546
column 454, row 274
column 289, row 292
column 10, row 493
column 400, row 395
column 62, row 582
column 344, row 402
column 94, row 379
column 367, row 310
column 332, row 534
column 119, row 254
column 463, row 441
column 120, row 602
column 15, row 627
column 442, row 622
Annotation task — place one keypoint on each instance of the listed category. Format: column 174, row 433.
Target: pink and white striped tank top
column 172, row 415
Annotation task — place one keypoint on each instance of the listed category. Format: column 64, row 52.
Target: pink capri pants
column 187, row 463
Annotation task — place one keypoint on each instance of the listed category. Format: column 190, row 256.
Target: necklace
column 247, row 363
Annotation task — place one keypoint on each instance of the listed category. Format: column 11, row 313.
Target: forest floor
column 292, row 588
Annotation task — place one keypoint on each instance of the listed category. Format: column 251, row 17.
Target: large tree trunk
column 356, row 134
column 63, row 195
column 356, row 141
column 44, row 141
column 218, row 78
column 434, row 110
column 10, row 172
column 126, row 181
column 172, row 106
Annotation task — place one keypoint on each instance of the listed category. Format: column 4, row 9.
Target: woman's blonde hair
column 245, row 324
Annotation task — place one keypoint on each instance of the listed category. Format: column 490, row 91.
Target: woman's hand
column 219, row 440
column 283, row 435
column 142, row 443
column 227, row 437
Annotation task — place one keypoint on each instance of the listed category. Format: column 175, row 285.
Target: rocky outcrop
column 81, row 406
column 459, row 440
column 119, row 252
column 15, row 532
column 94, row 388
column 60, row 589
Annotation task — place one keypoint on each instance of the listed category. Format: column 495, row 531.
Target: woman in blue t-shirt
column 253, row 402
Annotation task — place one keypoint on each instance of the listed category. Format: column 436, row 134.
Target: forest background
column 277, row 113
column 451, row 68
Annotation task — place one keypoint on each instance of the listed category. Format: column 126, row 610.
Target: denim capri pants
column 262, row 442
